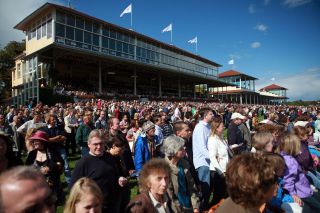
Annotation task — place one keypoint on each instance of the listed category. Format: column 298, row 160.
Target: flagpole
column 171, row 33
column 131, row 16
column 197, row 46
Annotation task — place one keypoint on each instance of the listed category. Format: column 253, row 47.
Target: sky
column 276, row 41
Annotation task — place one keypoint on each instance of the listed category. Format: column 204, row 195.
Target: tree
column 7, row 62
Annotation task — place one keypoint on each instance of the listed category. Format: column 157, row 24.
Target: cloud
column 295, row 3
column 11, row 13
column 266, row 2
column 252, row 9
column 255, row 45
column 303, row 85
column 234, row 56
column 261, row 27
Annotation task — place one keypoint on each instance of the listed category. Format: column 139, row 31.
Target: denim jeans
column 204, row 178
column 67, row 171
column 314, row 178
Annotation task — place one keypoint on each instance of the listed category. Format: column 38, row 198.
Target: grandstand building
column 74, row 54
column 277, row 93
column 242, row 90
column 70, row 50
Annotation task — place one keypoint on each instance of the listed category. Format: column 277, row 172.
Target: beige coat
column 191, row 187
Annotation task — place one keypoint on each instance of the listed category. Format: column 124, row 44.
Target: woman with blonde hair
column 295, row 180
column 262, row 142
column 85, row 196
column 29, row 134
column 219, row 158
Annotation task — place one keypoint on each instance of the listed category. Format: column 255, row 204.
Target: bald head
column 28, row 186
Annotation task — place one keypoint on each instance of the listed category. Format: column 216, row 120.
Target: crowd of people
column 186, row 156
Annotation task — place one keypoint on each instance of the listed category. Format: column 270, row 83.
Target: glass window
column 96, row 28
column 29, row 35
column 125, row 47
column 60, row 30
column 119, row 36
column 33, row 33
column 95, row 40
column 139, row 43
column 143, row 44
column 79, row 35
column 105, row 42
column 131, row 39
column 119, row 46
column 105, row 31
column 112, row 44
column 44, row 30
column 139, row 51
column 113, row 34
column 87, row 37
column 143, row 53
column 60, row 17
column 131, row 49
column 49, row 28
column 152, row 55
column 39, row 32
column 126, row 38
column 71, row 20
column 19, row 70
column 70, row 33
column 88, row 26
column 79, row 23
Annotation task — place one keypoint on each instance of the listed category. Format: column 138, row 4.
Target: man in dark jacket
column 100, row 167
column 235, row 138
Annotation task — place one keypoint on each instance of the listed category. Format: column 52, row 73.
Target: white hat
column 236, row 115
column 301, row 123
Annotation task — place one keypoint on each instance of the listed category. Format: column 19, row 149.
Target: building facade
column 63, row 44
column 242, row 89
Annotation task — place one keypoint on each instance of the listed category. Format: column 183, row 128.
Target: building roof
column 23, row 25
column 231, row 73
column 272, row 87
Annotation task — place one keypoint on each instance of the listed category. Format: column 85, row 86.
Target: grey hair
column 171, row 145
column 95, row 134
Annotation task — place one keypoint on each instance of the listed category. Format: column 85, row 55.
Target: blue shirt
column 200, row 137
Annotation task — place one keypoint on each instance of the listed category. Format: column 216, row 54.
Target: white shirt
column 218, row 153
column 161, row 208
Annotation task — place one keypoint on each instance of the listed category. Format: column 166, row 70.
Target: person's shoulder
column 141, row 203
column 228, row 206
column 85, row 160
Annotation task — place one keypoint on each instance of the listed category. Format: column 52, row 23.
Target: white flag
column 194, row 40
column 127, row 10
column 231, row 61
column 167, row 29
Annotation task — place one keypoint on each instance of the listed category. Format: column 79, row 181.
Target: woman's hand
column 297, row 200
column 122, row 181
column 44, row 170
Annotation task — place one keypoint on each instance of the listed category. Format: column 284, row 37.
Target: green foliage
column 303, row 103
column 7, row 62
